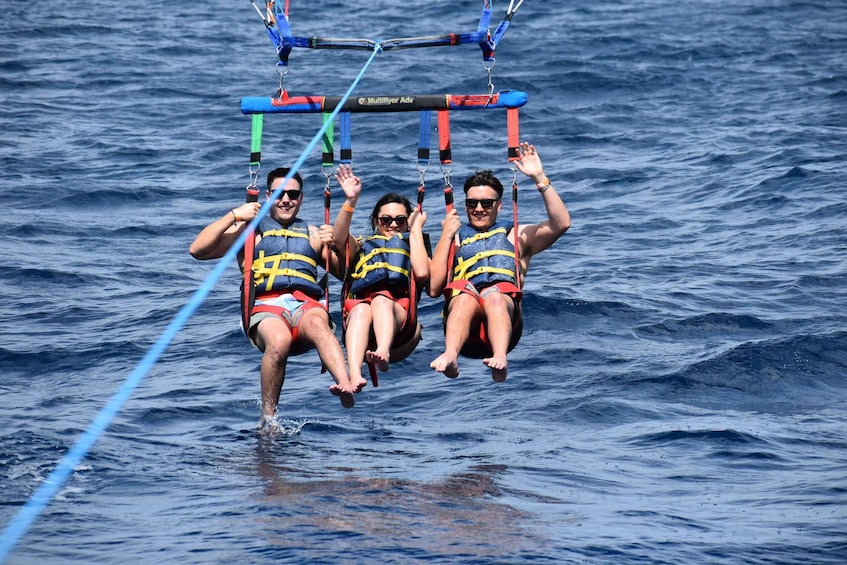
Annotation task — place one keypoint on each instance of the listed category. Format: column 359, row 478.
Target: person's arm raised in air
column 538, row 237
column 352, row 187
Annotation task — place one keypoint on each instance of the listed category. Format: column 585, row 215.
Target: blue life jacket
column 383, row 261
column 485, row 258
column 284, row 259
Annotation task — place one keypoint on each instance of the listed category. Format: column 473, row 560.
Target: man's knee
column 277, row 346
column 314, row 324
column 314, row 318
column 463, row 302
column 498, row 302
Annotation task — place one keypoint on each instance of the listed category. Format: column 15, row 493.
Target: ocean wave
column 782, row 374
column 66, row 355
column 711, row 324
column 709, row 437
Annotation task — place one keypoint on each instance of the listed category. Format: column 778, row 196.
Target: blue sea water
column 680, row 391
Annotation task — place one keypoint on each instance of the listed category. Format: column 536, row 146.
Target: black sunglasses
column 487, row 203
column 401, row 221
column 292, row 194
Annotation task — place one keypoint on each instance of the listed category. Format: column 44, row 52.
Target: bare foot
column 378, row 358
column 345, row 396
column 499, row 367
column 358, row 382
column 267, row 425
column 447, row 364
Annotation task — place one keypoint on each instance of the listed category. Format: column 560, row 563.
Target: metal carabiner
column 490, row 70
column 445, row 172
column 254, row 175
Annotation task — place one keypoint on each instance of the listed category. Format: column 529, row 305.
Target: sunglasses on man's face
column 487, row 203
column 401, row 221
column 292, row 194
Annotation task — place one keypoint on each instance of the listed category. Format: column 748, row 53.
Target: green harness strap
column 248, row 290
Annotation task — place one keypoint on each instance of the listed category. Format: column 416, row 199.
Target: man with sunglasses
column 287, row 317
column 482, row 310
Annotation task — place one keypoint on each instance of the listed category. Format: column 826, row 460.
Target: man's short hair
column 281, row 173
column 485, row 178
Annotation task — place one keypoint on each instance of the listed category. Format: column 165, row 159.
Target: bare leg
column 274, row 338
column 463, row 311
column 498, row 325
column 385, row 326
column 314, row 328
column 356, row 339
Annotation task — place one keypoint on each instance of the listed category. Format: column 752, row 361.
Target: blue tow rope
column 42, row 497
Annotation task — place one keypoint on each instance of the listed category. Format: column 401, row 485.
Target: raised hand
column 350, row 183
column 529, row 162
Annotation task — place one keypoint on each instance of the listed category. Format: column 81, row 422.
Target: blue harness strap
column 486, row 44
column 423, row 139
column 423, row 152
column 490, row 41
column 345, row 153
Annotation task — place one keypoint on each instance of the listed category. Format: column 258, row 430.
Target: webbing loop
column 445, row 153
column 513, row 134
column 327, row 155
column 518, row 281
column 423, row 153
column 248, row 292
column 345, row 153
column 255, row 156
column 513, row 154
column 446, row 157
column 327, row 165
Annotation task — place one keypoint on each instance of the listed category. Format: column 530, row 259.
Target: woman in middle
column 385, row 276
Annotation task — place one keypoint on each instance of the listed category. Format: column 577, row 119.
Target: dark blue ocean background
column 680, row 391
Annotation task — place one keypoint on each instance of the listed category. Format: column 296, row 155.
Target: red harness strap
column 513, row 142
column 282, row 313
column 478, row 346
column 248, row 291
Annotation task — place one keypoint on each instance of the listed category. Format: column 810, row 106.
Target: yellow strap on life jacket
column 267, row 267
column 282, row 232
column 379, row 265
column 361, row 263
column 461, row 271
column 483, row 235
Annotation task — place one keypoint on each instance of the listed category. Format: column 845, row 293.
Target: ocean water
column 680, row 391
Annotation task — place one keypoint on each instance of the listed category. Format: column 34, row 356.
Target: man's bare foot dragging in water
column 268, row 425
column 498, row 366
column 447, row 364
column 378, row 358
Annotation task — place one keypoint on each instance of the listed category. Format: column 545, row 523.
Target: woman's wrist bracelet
column 544, row 182
column 545, row 188
column 347, row 208
column 234, row 215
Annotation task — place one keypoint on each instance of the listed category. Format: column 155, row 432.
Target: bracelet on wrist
column 545, row 188
column 347, row 208
column 234, row 215
column 544, row 182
